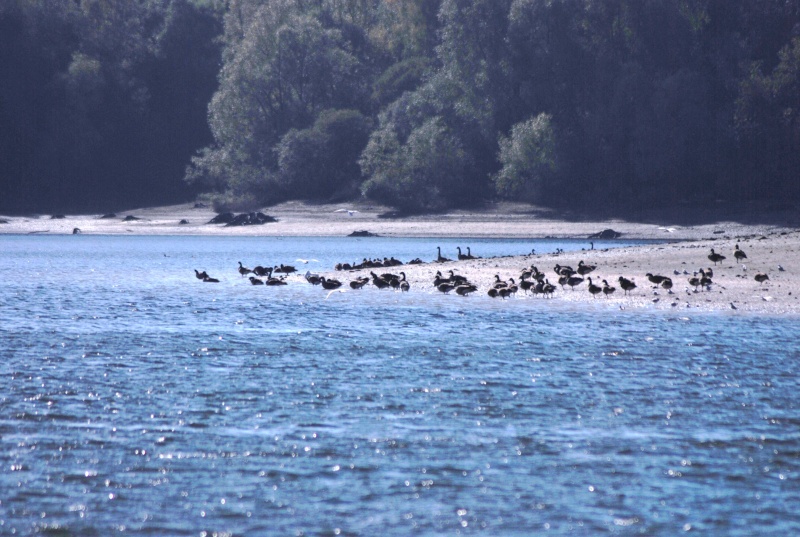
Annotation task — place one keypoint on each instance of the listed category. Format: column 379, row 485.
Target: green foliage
column 320, row 162
column 528, row 158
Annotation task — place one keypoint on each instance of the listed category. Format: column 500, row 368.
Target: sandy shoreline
column 684, row 250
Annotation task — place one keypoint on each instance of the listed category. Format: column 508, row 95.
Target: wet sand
column 770, row 243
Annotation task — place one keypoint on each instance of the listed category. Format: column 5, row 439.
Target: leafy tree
column 528, row 157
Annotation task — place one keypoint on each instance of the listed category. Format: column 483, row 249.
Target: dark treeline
column 102, row 102
column 419, row 104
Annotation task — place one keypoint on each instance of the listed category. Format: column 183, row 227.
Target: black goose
column 705, row 281
column 594, row 289
column 667, row 284
column 493, row 292
column 330, row 284
column 461, row 257
column 572, row 281
column 470, row 256
column 445, row 287
column 607, row 289
column 498, row 283
column 456, row 279
column 313, row 279
column 466, row 289
column 200, row 275
column 358, row 283
column 761, row 277
column 285, row 269
column 256, row 281
column 656, row 279
column 583, row 270
column 258, row 270
column 626, row 284
column 715, row 257
column 404, row 285
column 244, row 271
column 439, row 257
column 379, row 282
column 209, row 279
column 564, row 271
column 739, row 254
column 695, row 282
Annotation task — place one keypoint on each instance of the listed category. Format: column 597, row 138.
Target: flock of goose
column 531, row 279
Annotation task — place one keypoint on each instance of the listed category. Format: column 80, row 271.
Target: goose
column 656, row 278
column 209, row 279
column 739, row 254
column 379, row 282
column 667, row 284
column 626, row 284
column 464, row 290
column 695, row 281
column 330, row 284
column 498, row 283
column 276, row 281
column 439, row 257
column 200, row 275
column 438, row 279
column 583, row 270
column 572, row 281
column 525, row 284
column 404, row 285
column 715, row 257
column 313, row 279
column 493, row 292
column 456, row 278
column 258, row 270
column 594, row 289
column 470, row 256
column 358, row 283
column 285, row 269
column 461, row 257
column 512, row 287
column 705, row 281
column 761, row 277
column 548, row 289
column 504, row 292
column 244, row 271
column 607, row 289
column 709, row 272
column 256, row 281
column 564, row 271
column 445, row 287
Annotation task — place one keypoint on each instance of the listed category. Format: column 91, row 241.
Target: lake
column 138, row 400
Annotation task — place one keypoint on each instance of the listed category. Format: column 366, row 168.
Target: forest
column 422, row 105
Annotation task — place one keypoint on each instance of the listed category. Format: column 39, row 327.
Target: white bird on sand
column 351, row 212
column 667, row 229
column 335, row 291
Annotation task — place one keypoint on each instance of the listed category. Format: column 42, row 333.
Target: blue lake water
column 135, row 399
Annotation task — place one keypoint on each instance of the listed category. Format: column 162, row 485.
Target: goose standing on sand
column 358, row 283
column 572, row 281
column 466, row 289
column 626, row 284
column 739, row 254
column 761, row 277
column 439, row 257
column 594, row 289
column 256, row 281
column 583, row 270
column 715, row 257
column 667, row 284
column 404, row 285
column 244, row 271
column 607, row 289
column 330, row 284
column 656, row 279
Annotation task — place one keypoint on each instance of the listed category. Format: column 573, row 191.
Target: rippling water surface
column 135, row 398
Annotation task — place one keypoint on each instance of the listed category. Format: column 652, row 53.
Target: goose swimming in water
column 461, row 257
column 209, row 279
column 200, row 275
column 244, row 271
